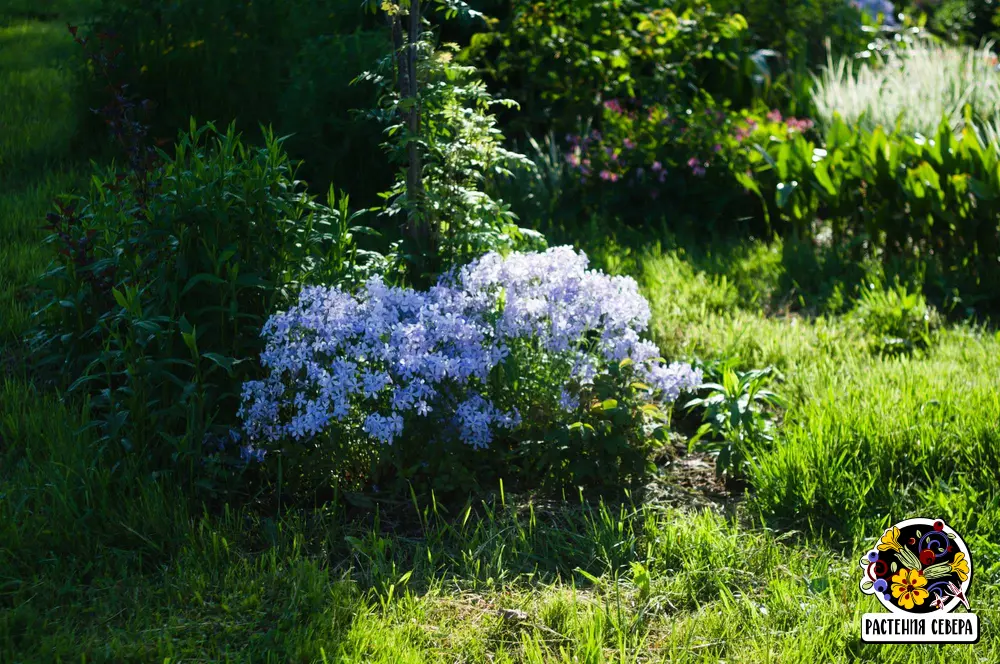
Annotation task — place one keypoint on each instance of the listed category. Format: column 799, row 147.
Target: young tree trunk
column 419, row 226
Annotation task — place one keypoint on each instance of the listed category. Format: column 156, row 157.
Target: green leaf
column 224, row 362
column 119, row 298
column 784, row 192
column 191, row 341
column 747, row 183
column 823, row 177
column 587, row 575
column 201, row 278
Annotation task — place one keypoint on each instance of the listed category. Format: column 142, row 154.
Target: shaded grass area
column 102, row 562
column 39, row 117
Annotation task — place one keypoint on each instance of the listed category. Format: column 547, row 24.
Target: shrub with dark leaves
column 166, row 271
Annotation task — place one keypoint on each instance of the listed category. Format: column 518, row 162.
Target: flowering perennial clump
column 376, row 359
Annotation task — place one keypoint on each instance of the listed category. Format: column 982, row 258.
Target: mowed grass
column 102, row 562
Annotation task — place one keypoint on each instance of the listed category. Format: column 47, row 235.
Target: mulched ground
column 688, row 481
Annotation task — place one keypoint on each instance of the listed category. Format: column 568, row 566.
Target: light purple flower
column 374, row 360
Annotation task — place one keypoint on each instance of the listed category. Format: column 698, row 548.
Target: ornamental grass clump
column 528, row 365
column 915, row 88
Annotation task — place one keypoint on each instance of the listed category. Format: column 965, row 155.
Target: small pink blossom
column 608, row 176
column 799, row 125
column 614, row 106
column 657, row 166
column 629, row 144
column 774, row 116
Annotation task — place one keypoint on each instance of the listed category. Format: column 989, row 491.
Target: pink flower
column 716, row 148
column 629, row 144
column 799, row 125
column 697, row 167
column 774, row 116
column 657, row 166
column 608, row 176
column 614, row 106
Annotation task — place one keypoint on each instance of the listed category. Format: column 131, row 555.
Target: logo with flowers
column 918, row 566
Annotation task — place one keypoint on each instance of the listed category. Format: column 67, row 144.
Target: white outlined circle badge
column 920, row 571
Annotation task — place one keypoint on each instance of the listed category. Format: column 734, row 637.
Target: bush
column 962, row 21
column 166, row 274
column 528, row 367
column 320, row 111
column 280, row 63
column 799, row 31
column 560, row 59
column 787, row 41
column 686, row 164
column 912, row 204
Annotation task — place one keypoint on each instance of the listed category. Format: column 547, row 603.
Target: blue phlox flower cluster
column 477, row 417
column 374, row 358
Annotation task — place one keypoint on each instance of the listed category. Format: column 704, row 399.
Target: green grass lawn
column 102, row 563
